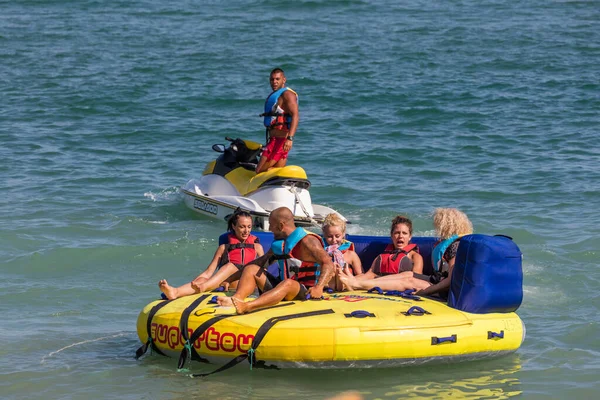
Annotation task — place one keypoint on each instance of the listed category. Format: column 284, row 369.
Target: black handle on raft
column 184, row 356
column 309, row 297
column 149, row 344
column 436, row 340
column 143, row 349
column 375, row 289
column 416, row 310
column 406, row 294
column 494, row 335
column 359, row 314
column 260, row 335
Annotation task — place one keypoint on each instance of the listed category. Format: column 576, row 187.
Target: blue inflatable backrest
column 487, row 275
column 367, row 248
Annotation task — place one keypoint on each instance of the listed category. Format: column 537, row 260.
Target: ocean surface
column 107, row 108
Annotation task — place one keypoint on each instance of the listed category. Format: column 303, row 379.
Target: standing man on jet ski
column 281, row 118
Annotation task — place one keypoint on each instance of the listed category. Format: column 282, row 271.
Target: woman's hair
column 233, row 219
column 401, row 219
column 334, row 219
column 451, row 221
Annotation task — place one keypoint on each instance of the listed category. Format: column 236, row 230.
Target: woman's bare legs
column 200, row 284
column 175, row 292
column 391, row 282
column 224, row 273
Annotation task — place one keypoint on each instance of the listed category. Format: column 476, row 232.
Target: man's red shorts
column 274, row 149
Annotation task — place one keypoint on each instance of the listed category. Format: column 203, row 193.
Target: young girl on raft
column 341, row 250
column 242, row 247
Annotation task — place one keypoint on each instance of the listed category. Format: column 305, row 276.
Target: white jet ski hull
column 198, row 196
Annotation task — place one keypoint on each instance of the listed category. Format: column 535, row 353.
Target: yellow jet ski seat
column 245, row 179
column 286, row 175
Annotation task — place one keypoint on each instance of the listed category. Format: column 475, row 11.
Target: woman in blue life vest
column 242, row 247
column 341, row 250
column 450, row 225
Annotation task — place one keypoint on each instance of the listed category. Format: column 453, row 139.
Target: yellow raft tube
column 347, row 329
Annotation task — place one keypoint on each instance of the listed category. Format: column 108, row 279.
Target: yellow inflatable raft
column 348, row 329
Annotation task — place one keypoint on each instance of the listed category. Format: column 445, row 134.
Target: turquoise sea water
column 106, row 108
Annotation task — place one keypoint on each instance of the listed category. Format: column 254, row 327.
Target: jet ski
column 231, row 182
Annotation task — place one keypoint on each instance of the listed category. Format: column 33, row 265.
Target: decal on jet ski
column 204, row 206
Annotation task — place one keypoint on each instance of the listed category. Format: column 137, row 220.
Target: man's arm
column 444, row 284
column 315, row 251
column 261, row 261
column 290, row 105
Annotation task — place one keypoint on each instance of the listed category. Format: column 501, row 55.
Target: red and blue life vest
column 336, row 252
column 274, row 116
column 345, row 246
column 306, row 273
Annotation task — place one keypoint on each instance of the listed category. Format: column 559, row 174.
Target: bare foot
column 197, row 286
column 349, row 281
column 240, row 306
column 225, row 301
column 169, row 291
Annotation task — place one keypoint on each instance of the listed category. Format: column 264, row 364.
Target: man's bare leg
column 280, row 163
column 264, row 165
column 248, row 282
column 286, row 290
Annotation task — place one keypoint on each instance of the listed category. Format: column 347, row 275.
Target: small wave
column 43, row 360
column 65, row 313
column 150, row 195
column 165, row 194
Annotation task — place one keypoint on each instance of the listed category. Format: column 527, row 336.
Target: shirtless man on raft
column 295, row 249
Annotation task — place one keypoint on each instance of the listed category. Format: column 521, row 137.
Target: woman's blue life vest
column 275, row 116
column 307, row 273
column 437, row 255
column 345, row 246
column 395, row 261
column 336, row 252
